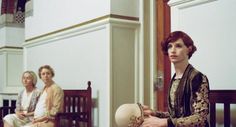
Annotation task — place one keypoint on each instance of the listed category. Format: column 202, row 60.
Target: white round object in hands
column 129, row 115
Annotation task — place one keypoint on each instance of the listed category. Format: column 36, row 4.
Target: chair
column 226, row 97
column 77, row 109
column 6, row 109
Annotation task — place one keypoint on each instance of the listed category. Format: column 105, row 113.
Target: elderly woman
column 26, row 102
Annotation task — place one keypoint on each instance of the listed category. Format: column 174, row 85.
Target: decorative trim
column 10, row 47
column 81, row 30
column 62, row 35
column 123, row 17
column 181, row 4
column 15, row 25
column 83, row 24
column 8, row 94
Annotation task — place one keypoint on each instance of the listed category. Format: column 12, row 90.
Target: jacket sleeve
column 162, row 114
column 57, row 102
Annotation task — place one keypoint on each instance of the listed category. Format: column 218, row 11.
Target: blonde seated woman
column 26, row 102
column 50, row 102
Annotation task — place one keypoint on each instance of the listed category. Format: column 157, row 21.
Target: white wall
column 211, row 24
column 11, row 36
column 11, row 61
column 2, row 68
column 69, row 56
column 76, row 59
column 125, row 7
column 212, row 27
column 57, row 14
column 92, row 51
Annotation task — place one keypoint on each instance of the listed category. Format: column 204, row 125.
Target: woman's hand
column 41, row 119
column 20, row 115
column 152, row 121
column 29, row 114
column 147, row 111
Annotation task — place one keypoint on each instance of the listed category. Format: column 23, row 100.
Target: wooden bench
column 4, row 111
column 225, row 97
column 77, row 109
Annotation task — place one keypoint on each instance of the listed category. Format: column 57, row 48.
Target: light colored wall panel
column 2, row 72
column 15, row 36
column 77, row 58
column 89, row 53
column 57, row 14
column 210, row 26
column 2, row 36
column 64, row 14
column 11, row 69
column 14, row 69
column 123, row 67
column 125, row 7
column 11, row 36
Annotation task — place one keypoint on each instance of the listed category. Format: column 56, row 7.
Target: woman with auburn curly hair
column 188, row 103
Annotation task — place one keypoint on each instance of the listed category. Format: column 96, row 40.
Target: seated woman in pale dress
column 50, row 102
column 26, row 102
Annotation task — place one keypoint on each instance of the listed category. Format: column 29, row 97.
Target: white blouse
column 26, row 101
column 40, row 109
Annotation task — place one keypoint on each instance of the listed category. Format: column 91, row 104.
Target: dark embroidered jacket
column 191, row 103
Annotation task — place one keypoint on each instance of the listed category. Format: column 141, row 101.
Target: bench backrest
column 225, row 97
column 77, row 108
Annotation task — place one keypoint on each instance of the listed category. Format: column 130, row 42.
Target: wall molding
column 182, row 4
column 10, row 48
column 83, row 28
column 80, row 25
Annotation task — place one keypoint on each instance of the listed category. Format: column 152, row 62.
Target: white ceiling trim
column 181, row 4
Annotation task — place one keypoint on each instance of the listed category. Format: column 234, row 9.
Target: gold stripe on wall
column 84, row 23
column 10, row 47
